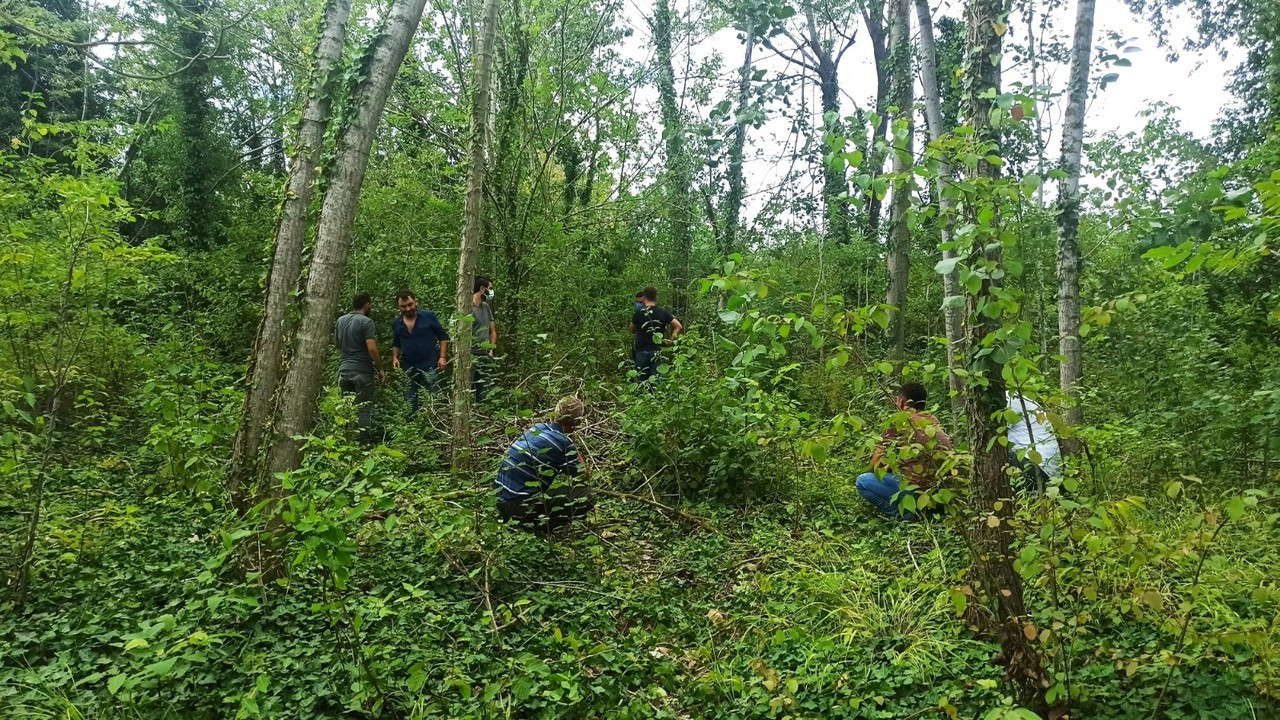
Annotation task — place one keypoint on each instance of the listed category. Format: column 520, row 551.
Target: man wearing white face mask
column 484, row 339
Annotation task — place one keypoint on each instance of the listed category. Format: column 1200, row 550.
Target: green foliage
column 1148, row 568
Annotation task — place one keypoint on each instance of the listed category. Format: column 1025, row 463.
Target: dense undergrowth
column 406, row 600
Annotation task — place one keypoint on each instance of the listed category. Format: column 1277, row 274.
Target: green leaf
column 114, row 683
column 162, row 668
column 946, row 265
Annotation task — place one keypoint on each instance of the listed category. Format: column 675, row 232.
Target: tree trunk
column 1072, row 369
column 952, row 312
column 192, row 86
column 266, row 362
column 737, row 184
column 834, row 186
column 296, row 406
column 899, row 256
column 873, row 15
column 990, row 534
column 507, row 172
column 679, row 175
column 472, row 221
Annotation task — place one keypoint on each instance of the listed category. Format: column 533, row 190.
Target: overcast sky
column 1195, row 85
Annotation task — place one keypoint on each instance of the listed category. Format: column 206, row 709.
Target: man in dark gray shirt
column 359, row 361
column 484, row 337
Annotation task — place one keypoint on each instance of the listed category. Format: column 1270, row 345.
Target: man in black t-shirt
column 650, row 324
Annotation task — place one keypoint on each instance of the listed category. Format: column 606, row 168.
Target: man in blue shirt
column 419, row 346
column 535, row 484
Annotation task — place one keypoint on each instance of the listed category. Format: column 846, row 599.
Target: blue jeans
column 880, row 492
column 418, row 377
column 647, row 363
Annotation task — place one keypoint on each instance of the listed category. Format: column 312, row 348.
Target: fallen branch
column 687, row 517
column 677, row 512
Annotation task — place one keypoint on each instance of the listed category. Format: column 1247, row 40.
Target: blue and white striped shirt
column 533, row 461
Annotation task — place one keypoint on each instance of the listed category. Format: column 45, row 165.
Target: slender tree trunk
column 266, row 362
column 299, row 394
column 192, row 86
column 990, row 532
column 679, row 174
column 473, row 219
column 899, row 257
column 835, row 187
column 874, row 17
column 507, row 172
column 593, row 165
column 952, row 312
column 1071, row 371
column 1035, row 56
column 737, row 184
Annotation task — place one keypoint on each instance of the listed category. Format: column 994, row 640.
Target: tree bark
column 679, row 174
column 267, row 361
column 192, row 87
column 899, row 257
column 507, row 172
column 881, row 46
column 737, row 184
column 473, row 220
column 952, row 313
column 990, row 532
column 1071, row 372
column 835, row 187
column 296, row 406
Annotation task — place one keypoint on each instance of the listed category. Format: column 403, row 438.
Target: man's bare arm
column 372, row 346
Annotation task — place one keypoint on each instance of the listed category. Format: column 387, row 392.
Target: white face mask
column 489, row 295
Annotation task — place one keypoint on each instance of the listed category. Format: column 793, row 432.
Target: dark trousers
column 481, row 376
column 647, row 363
column 418, row 377
column 1032, row 478
column 549, row 510
column 363, row 387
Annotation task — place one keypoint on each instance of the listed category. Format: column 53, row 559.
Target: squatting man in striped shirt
column 536, row 484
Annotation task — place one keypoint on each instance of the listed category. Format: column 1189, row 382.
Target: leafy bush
column 702, row 430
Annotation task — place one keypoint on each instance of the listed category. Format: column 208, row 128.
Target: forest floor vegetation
column 407, row 598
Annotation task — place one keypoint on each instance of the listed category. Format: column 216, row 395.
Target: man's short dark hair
column 639, row 294
column 650, row 294
column 360, row 300
column 915, row 395
column 481, row 283
column 406, row 295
